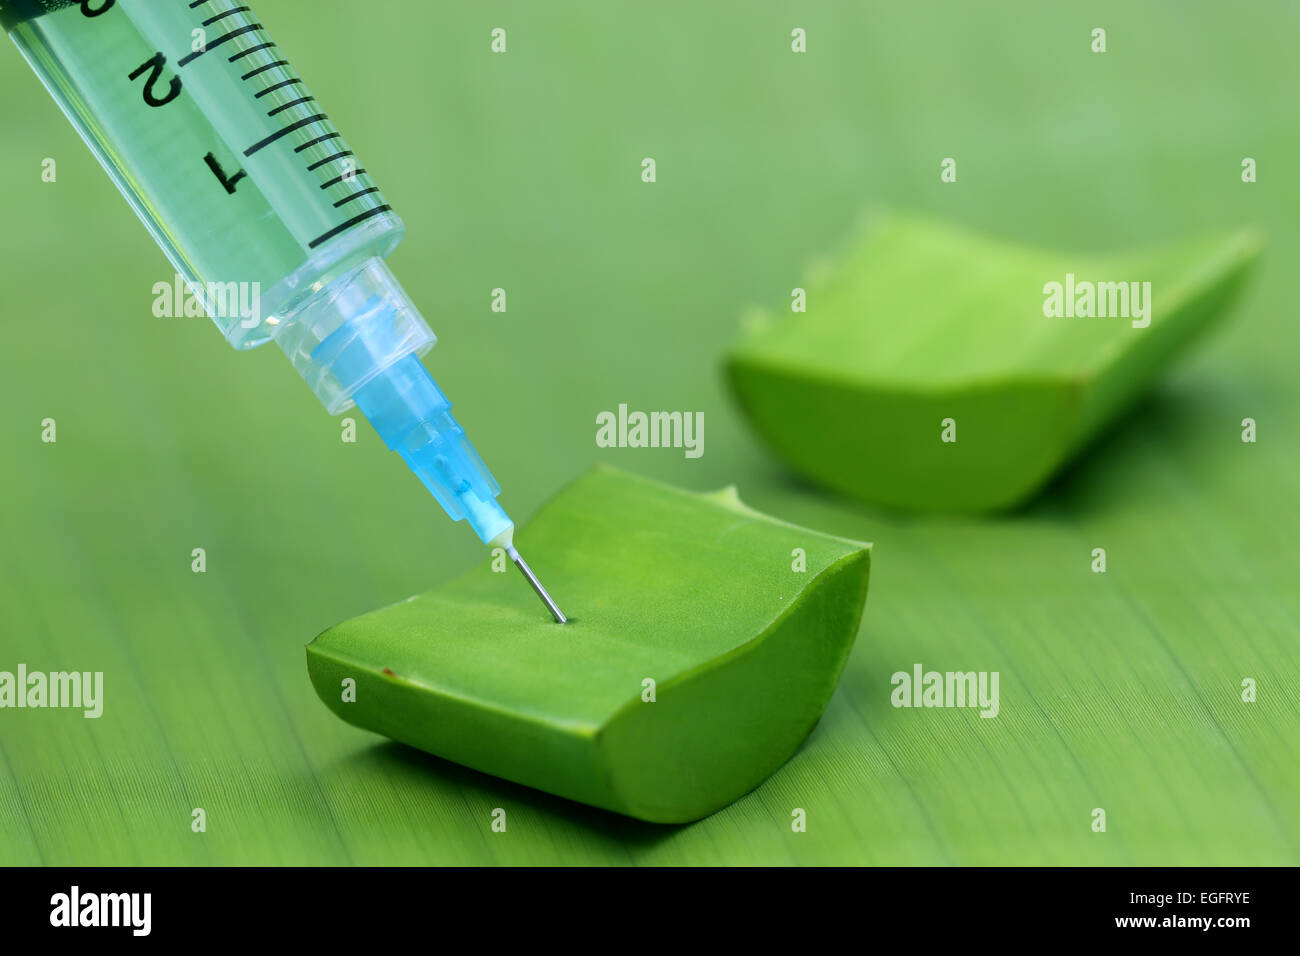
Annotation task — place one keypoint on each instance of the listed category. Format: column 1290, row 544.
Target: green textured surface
column 920, row 329
column 749, row 626
column 1118, row 690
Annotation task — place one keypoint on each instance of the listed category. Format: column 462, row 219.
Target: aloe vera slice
column 742, row 622
column 922, row 322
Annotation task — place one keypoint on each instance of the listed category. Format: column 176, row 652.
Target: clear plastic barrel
column 218, row 145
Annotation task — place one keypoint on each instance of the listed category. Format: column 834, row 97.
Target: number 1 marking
column 227, row 181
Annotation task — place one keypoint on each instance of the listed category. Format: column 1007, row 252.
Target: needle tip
column 536, row 585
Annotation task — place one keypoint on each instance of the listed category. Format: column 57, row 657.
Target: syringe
column 254, row 196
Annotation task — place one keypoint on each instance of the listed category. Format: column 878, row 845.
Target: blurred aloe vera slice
column 742, row 622
column 922, row 322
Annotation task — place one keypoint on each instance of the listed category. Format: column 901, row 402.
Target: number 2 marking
column 155, row 64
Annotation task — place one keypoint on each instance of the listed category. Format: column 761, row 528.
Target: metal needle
column 527, row 572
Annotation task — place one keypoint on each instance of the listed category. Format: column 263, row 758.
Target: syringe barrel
column 242, row 179
column 218, row 145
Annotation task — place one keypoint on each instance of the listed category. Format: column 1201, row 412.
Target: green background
column 522, row 171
